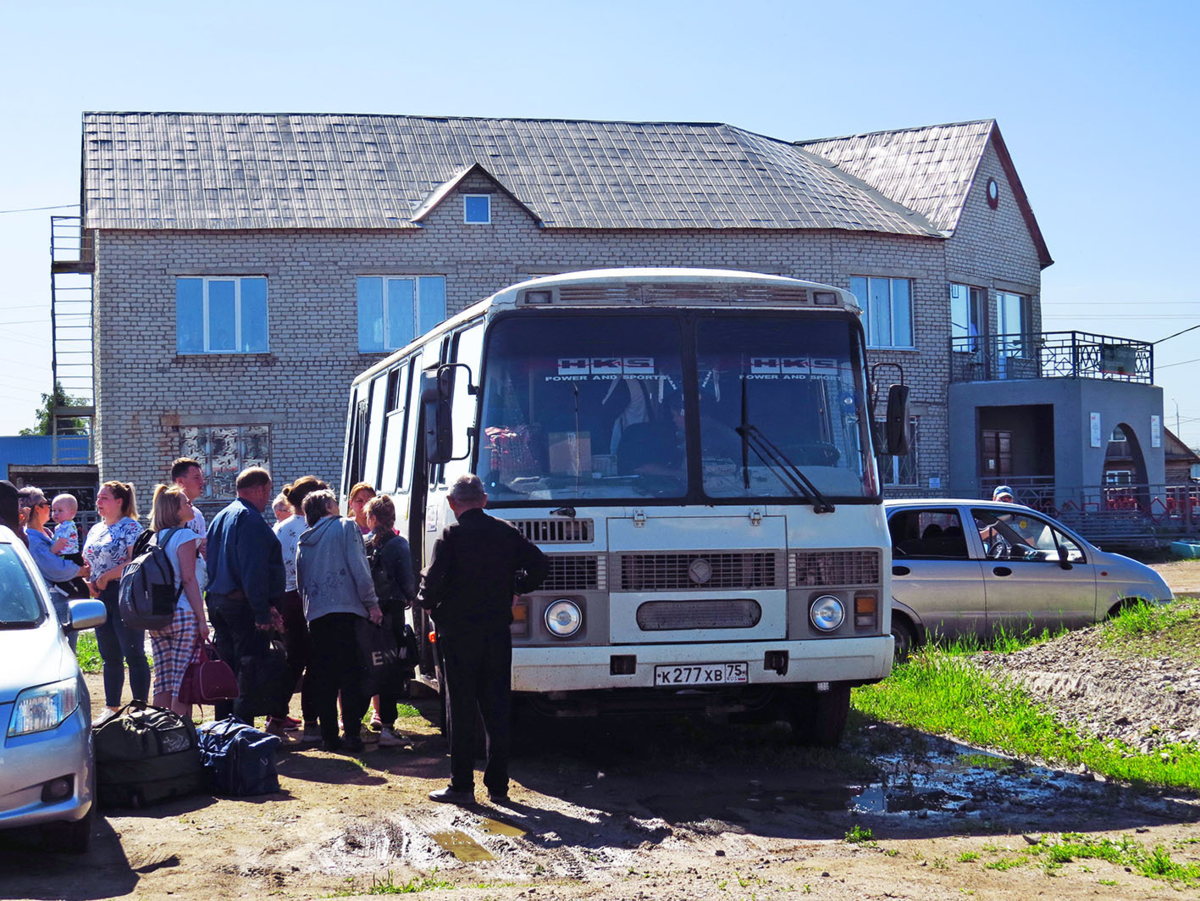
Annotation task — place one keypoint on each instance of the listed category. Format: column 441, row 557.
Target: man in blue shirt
column 245, row 580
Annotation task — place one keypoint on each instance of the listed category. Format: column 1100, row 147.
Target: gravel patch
column 1145, row 702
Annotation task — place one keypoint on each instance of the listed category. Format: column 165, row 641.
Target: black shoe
column 331, row 744
column 452, row 795
column 498, row 797
column 354, row 744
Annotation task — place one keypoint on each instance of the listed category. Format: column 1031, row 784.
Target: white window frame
column 385, row 317
column 976, row 301
column 908, row 465
column 467, row 219
column 205, row 280
column 865, row 305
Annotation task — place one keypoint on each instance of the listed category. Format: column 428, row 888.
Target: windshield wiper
column 777, row 461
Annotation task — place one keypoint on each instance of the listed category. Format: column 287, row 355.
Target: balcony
column 1050, row 355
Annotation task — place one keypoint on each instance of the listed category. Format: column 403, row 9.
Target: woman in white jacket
column 335, row 584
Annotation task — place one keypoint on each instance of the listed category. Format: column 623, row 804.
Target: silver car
column 46, row 767
column 965, row 567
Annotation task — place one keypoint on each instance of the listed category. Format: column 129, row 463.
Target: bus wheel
column 905, row 637
column 819, row 717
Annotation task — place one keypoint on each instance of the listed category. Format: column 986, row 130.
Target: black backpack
column 147, row 596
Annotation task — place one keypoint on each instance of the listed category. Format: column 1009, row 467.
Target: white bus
column 693, row 449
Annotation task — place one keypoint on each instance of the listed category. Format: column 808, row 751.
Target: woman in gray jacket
column 335, row 584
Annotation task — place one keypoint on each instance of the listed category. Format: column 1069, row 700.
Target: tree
column 59, row 398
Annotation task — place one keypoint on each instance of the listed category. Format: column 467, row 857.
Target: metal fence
column 986, row 358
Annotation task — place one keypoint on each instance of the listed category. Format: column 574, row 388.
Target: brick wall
column 146, row 392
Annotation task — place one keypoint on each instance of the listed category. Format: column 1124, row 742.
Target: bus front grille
column 555, row 531
column 668, row 616
column 700, row 571
column 575, row 572
column 827, row 568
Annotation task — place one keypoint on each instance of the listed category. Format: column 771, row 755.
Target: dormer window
column 477, row 209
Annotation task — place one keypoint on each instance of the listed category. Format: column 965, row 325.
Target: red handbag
column 207, row 679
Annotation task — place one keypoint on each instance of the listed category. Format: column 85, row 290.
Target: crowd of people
column 240, row 583
column 310, row 579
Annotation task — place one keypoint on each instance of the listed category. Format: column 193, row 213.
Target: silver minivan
column 966, row 567
column 47, row 773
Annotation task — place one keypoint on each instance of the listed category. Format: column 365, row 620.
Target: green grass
column 389, row 886
column 939, row 691
column 1154, row 630
column 87, row 652
column 1153, row 863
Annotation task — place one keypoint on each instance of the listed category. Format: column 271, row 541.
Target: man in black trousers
column 478, row 565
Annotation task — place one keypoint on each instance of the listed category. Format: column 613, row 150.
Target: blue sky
column 1097, row 102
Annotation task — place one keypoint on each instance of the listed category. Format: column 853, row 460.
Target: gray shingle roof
column 256, row 170
column 928, row 169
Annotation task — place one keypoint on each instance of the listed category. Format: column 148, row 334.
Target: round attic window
column 993, row 193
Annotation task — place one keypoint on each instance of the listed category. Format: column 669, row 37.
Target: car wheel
column 819, row 717
column 73, row 837
column 905, row 638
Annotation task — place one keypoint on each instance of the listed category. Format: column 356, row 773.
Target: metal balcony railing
column 1048, row 355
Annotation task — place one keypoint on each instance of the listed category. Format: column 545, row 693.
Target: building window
column 392, row 310
column 225, row 450
column 887, row 310
column 902, row 472
column 1118, row 477
column 477, row 209
column 966, row 316
column 221, row 315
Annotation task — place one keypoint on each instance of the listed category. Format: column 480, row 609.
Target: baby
column 66, row 537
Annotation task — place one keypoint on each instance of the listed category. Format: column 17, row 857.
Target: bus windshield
column 599, row 407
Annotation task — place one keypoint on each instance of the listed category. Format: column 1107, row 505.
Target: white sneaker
column 389, row 739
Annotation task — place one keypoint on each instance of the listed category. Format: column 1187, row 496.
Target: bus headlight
column 827, row 613
column 563, row 618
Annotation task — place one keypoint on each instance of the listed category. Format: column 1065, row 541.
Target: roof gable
column 444, row 190
column 928, row 169
column 256, row 170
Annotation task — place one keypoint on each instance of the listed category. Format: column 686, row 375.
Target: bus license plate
column 702, row 674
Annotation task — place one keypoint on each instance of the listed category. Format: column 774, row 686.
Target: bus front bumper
column 581, row 668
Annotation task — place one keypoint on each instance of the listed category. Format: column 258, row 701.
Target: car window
column 20, row 606
column 1022, row 536
column 931, row 534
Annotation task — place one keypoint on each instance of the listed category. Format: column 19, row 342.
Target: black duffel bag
column 385, row 658
column 266, row 681
column 239, row 760
column 145, row 755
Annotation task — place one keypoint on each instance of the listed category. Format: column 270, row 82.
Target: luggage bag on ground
column 238, row 760
column 145, row 755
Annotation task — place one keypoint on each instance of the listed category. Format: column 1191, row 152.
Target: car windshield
column 20, row 606
column 595, row 406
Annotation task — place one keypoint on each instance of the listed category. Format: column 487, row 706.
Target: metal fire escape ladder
column 72, row 361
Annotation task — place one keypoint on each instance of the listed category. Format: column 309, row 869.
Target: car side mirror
column 1064, row 557
column 86, row 614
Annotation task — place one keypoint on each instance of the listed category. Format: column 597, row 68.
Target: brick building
column 247, row 266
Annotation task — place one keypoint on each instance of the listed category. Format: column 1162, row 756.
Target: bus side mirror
column 436, row 409
column 896, row 424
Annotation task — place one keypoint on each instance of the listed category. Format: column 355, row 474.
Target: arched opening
column 1123, row 475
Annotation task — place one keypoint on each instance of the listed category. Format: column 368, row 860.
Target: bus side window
column 356, row 438
column 394, row 429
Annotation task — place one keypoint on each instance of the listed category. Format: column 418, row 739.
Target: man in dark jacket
column 478, row 565
column 245, row 580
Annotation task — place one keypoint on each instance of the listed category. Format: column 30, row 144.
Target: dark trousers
column 235, row 637
column 335, row 667
column 388, row 701
column 299, row 650
column 119, row 645
column 477, row 668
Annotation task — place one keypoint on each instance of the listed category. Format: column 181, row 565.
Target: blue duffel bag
column 239, row 759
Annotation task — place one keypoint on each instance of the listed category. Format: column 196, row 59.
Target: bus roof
column 610, row 287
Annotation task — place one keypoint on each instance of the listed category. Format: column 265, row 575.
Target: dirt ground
column 676, row 810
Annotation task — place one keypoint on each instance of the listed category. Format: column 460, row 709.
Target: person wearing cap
column 1004, row 494
column 994, row 542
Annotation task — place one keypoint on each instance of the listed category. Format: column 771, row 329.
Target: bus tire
column 819, row 717
column 905, row 637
